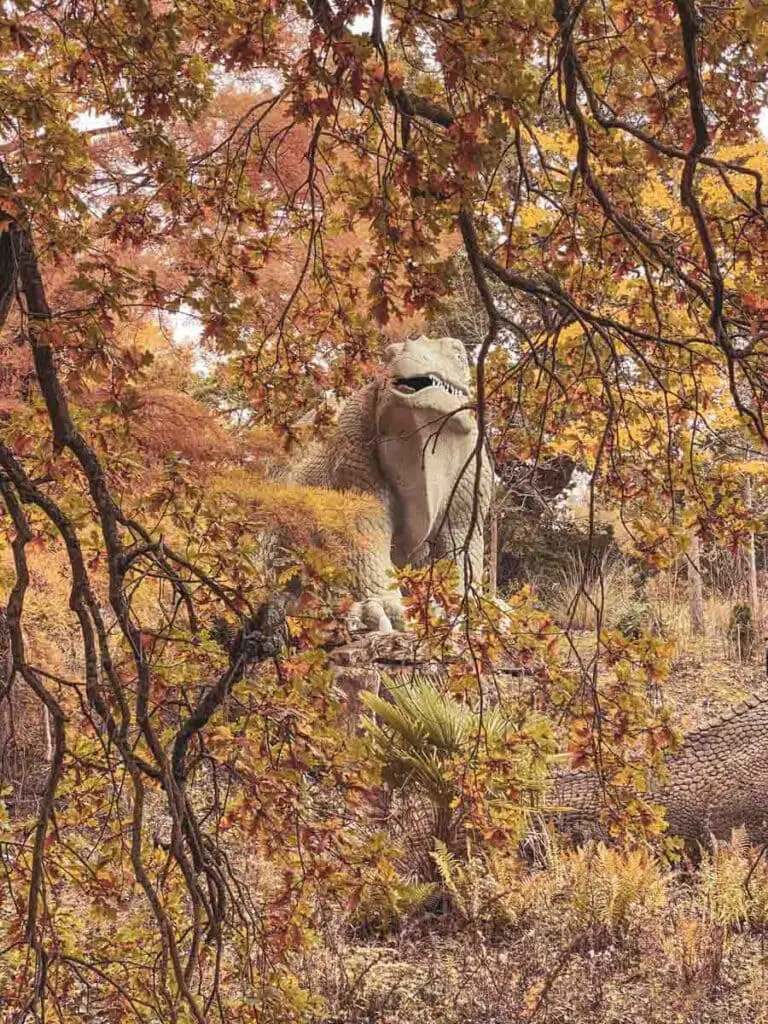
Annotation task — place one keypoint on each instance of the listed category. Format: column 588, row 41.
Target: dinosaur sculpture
column 718, row 781
column 410, row 439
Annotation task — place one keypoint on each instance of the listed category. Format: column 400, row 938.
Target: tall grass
column 593, row 935
column 668, row 603
column 584, row 594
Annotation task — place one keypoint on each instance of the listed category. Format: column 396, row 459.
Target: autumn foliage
column 212, row 218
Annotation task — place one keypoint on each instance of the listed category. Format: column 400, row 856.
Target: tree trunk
column 754, row 597
column 695, row 587
column 493, row 552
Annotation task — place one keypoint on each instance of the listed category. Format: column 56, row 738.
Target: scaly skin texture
column 718, row 781
column 409, row 440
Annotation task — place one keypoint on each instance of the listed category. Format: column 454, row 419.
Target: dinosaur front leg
column 379, row 603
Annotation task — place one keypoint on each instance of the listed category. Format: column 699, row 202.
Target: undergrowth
column 595, row 934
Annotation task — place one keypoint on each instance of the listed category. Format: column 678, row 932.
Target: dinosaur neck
column 421, row 456
column 348, row 459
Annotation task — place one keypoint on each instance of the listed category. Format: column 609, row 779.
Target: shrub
column 741, row 631
column 477, row 770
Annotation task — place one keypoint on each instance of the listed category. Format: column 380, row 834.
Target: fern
column 451, row 874
column 613, row 888
column 386, row 900
column 473, row 885
column 740, row 842
column 721, row 882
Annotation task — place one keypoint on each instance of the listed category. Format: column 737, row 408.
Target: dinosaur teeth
column 439, row 383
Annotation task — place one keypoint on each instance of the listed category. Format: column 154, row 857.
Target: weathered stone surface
column 377, row 661
column 364, row 663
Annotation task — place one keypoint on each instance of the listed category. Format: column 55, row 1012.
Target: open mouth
column 410, row 385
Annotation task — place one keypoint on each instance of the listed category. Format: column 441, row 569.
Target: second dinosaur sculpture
column 717, row 781
column 409, row 439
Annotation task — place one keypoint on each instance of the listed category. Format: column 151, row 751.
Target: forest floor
column 705, row 680
column 597, row 937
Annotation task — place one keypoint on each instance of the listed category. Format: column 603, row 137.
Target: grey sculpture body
column 718, row 781
column 410, row 440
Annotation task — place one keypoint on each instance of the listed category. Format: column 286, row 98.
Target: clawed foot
column 380, row 615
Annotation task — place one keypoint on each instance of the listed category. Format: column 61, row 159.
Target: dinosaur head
column 428, row 378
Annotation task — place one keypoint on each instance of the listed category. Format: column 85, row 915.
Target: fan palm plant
column 475, row 767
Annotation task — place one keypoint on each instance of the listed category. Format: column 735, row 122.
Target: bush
column 741, row 631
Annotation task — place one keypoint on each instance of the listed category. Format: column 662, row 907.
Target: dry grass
column 707, row 670
column 707, row 675
column 582, row 595
column 598, row 936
